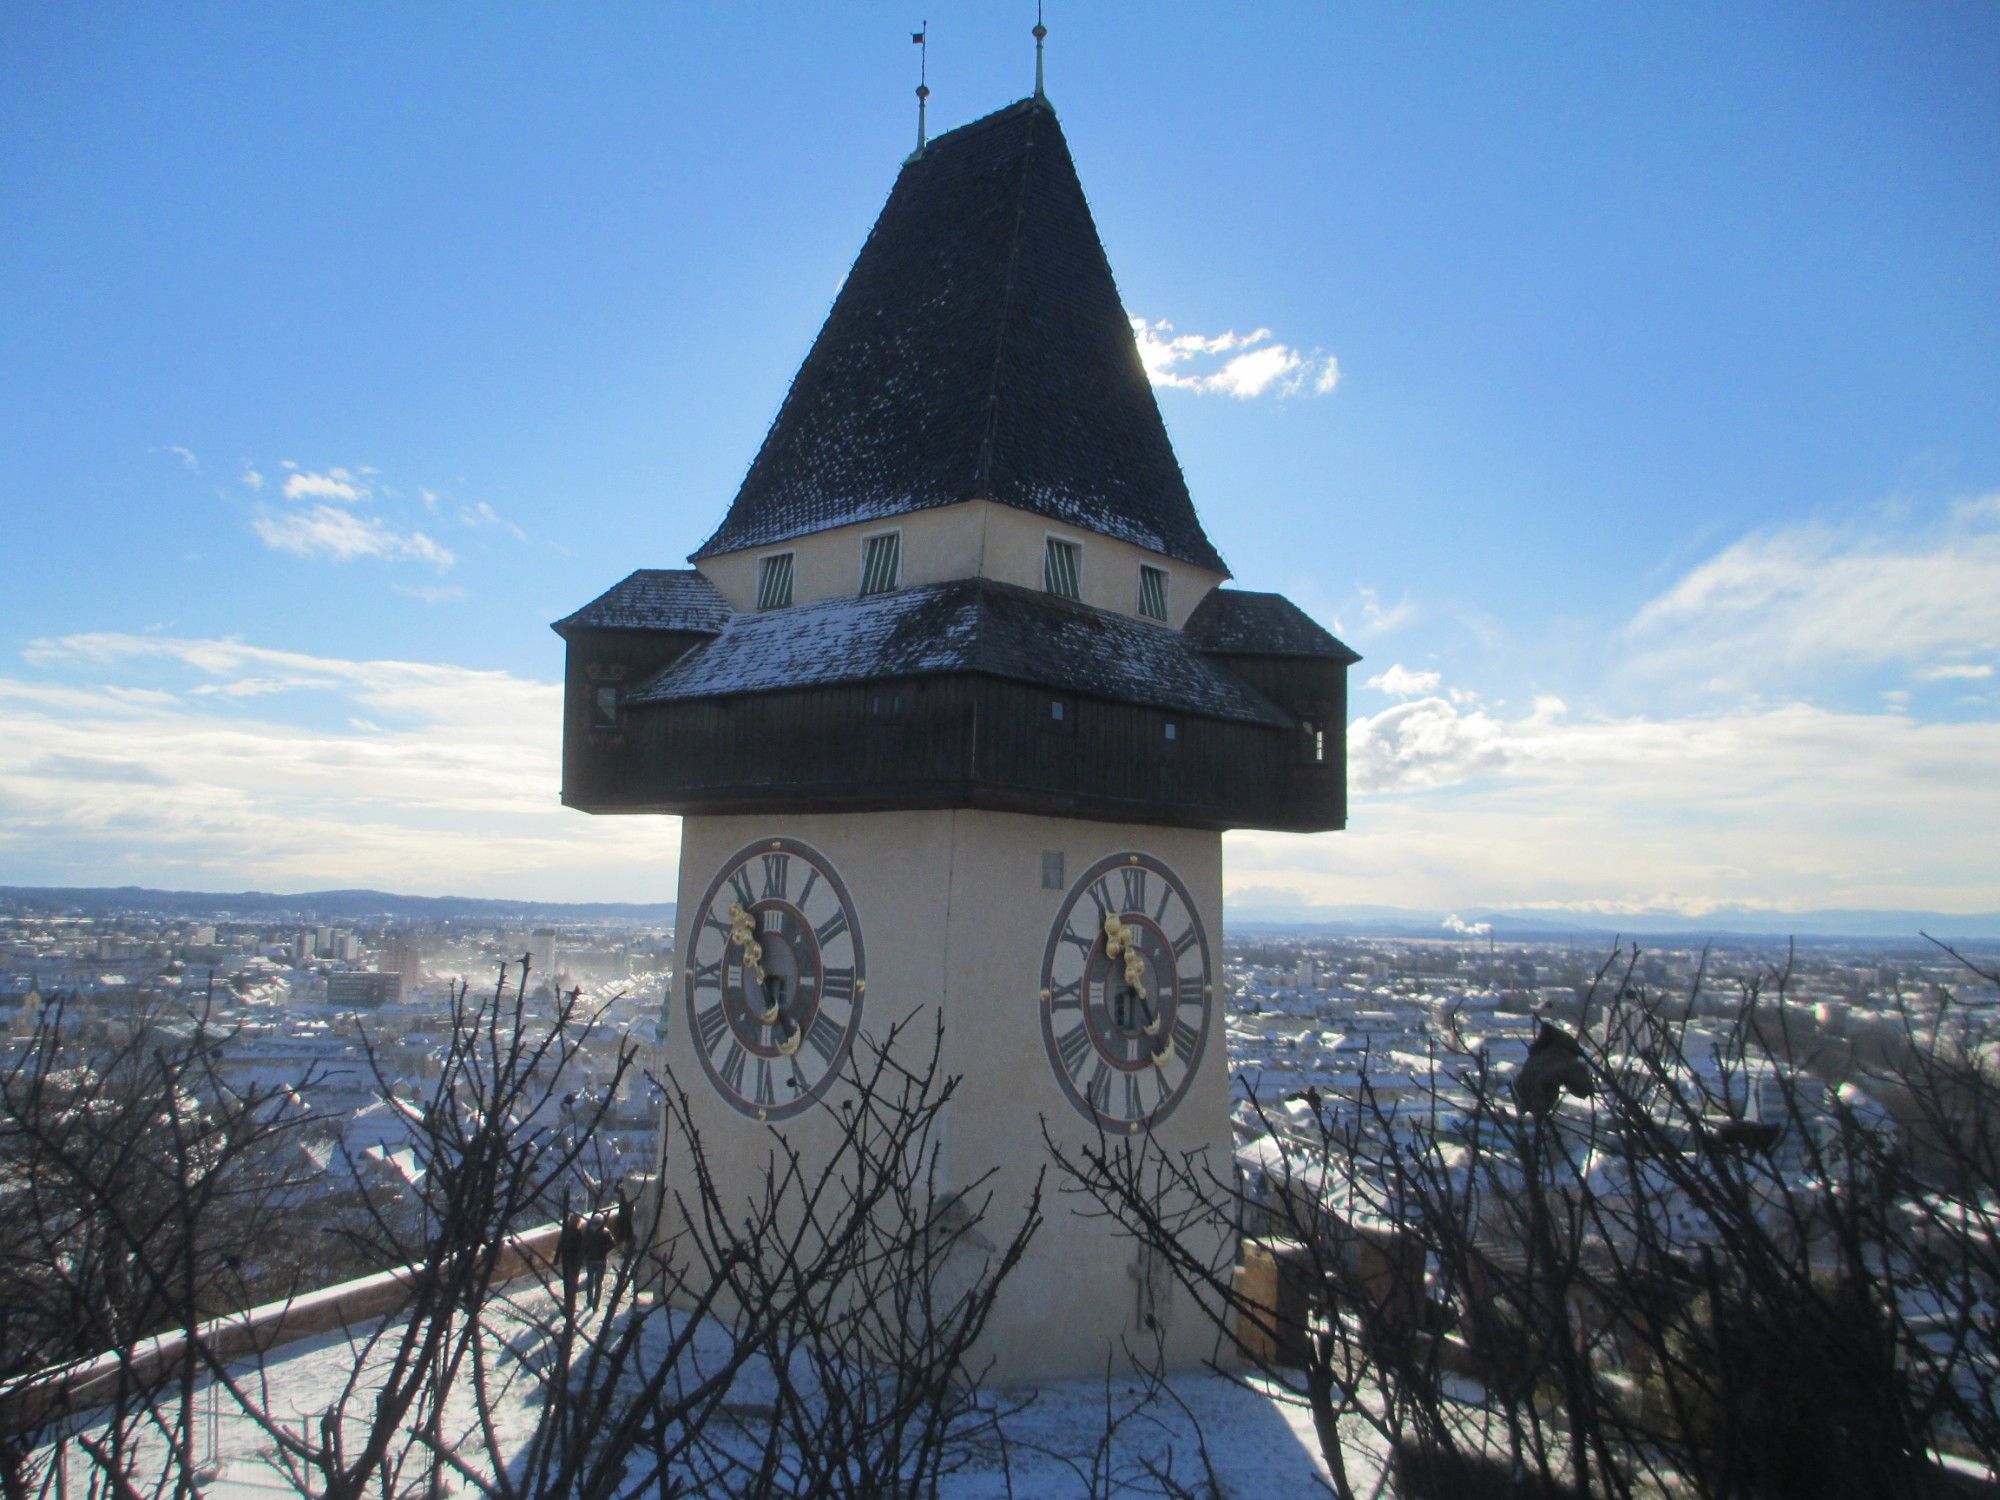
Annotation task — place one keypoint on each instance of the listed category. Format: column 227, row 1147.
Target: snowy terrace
column 1086, row 1437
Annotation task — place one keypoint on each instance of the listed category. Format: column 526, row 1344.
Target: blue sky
column 1659, row 484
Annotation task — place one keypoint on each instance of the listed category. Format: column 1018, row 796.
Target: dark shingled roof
column 1242, row 622
column 978, row 350
column 653, row 599
column 969, row 625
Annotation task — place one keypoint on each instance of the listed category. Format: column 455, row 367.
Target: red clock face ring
column 1127, row 997
column 775, row 977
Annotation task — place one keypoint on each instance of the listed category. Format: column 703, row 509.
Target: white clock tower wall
column 954, row 911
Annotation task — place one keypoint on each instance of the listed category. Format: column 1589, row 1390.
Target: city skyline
column 1619, row 386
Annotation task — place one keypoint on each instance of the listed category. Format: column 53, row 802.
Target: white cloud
column 328, row 531
column 427, row 777
column 1956, row 672
column 1456, row 923
column 1400, row 682
column 1232, row 364
column 1820, row 598
column 188, row 460
column 1793, row 806
column 251, row 478
column 335, row 484
column 483, row 514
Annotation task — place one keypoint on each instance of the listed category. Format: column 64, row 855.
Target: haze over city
column 1620, row 385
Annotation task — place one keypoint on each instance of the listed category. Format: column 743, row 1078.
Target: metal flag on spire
column 921, row 38
column 1040, row 32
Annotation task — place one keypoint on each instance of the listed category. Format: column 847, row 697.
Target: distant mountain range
column 1758, row 922
column 320, row 906
column 347, row 906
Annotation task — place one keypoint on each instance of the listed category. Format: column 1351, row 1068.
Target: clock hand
column 743, row 933
column 1121, row 940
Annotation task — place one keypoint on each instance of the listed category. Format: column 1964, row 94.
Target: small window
column 1058, row 710
column 885, row 703
column 881, row 563
column 1052, row 869
column 1061, row 717
column 774, row 581
column 1153, row 592
column 1062, row 568
column 1173, row 730
column 604, row 708
column 1312, row 742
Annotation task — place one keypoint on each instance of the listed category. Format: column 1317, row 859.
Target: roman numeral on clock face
column 708, row 976
column 777, row 875
column 710, row 1024
column 1135, row 888
column 1186, row 1038
column 739, row 882
column 1185, row 941
column 831, row 928
column 1073, row 1046
column 824, row 1037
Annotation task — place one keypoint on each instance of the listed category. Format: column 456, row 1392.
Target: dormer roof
column 978, row 350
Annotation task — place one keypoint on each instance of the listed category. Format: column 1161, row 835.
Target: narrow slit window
column 881, row 563
column 1312, row 742
column 1052, row 869
column 774, row 581
column 1062, row 568
column 1153, row 592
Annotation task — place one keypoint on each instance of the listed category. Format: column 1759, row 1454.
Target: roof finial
column 1040, row 32
column 923, row 85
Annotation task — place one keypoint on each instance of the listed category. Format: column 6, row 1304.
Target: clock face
column 775, row 978
column 1127, row 994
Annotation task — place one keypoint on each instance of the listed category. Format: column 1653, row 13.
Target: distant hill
column 1749, row 922
column 319, row 906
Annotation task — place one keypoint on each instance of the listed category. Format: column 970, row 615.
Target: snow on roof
column 1244, row 622
column 977, row 350
column 652, row 599
column 969, row 625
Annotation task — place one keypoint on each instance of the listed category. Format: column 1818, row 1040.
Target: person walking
column 569, row 1255
column 596, row 1255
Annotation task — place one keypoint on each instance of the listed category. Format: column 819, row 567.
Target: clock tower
column 954, row 707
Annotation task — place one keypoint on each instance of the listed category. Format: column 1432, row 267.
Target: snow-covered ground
column 1084, row 1437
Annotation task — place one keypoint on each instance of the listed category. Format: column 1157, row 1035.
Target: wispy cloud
column 1232, row 364
column 1401, row 682
column 335, row 484
column 188, row 460
column 482, row 514
column 329, row 531
column 244, row 764
column 1820, row 598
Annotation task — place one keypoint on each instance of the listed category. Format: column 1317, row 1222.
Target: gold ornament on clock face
column 775, row 978
column 1127, row 996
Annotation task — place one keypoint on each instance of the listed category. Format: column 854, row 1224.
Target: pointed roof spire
column 978, row 350
column 922, row 39
column 1039, row 33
